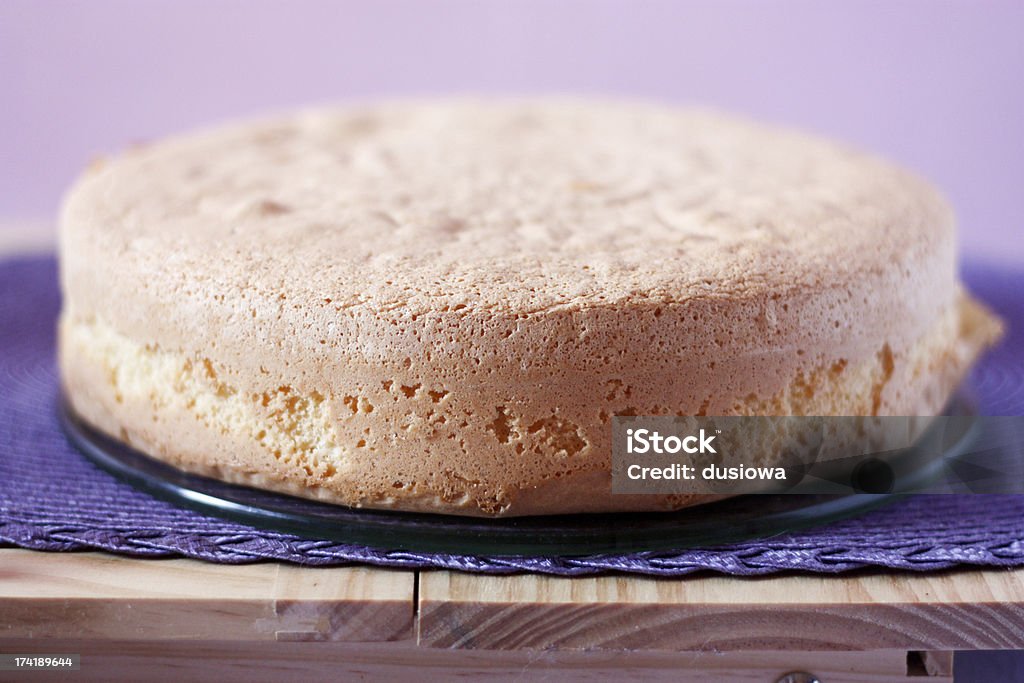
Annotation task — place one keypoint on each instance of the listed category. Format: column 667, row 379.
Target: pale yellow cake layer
column 416, row 447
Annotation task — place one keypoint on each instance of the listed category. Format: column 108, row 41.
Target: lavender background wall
column 934, row 85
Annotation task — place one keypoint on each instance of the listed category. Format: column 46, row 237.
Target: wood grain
column 961, row 610
column 230, row 662
column 95, row 595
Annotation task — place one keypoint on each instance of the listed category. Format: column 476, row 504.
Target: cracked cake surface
column 440, row 305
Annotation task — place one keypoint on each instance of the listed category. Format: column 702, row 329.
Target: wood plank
column 96, row 595
column 230, row 662
column 938, row 611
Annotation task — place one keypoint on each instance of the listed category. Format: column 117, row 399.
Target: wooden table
column 168, row 619
column 157, row 619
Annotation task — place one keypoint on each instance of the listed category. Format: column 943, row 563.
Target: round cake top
column 506, row 206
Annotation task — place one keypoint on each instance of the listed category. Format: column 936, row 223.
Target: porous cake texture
column 440, row 306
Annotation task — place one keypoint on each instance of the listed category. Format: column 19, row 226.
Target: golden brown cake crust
column 440, row 305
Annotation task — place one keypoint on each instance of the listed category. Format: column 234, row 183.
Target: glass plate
column 737, row 519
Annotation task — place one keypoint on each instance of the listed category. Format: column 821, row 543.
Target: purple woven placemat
column 51, row 498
